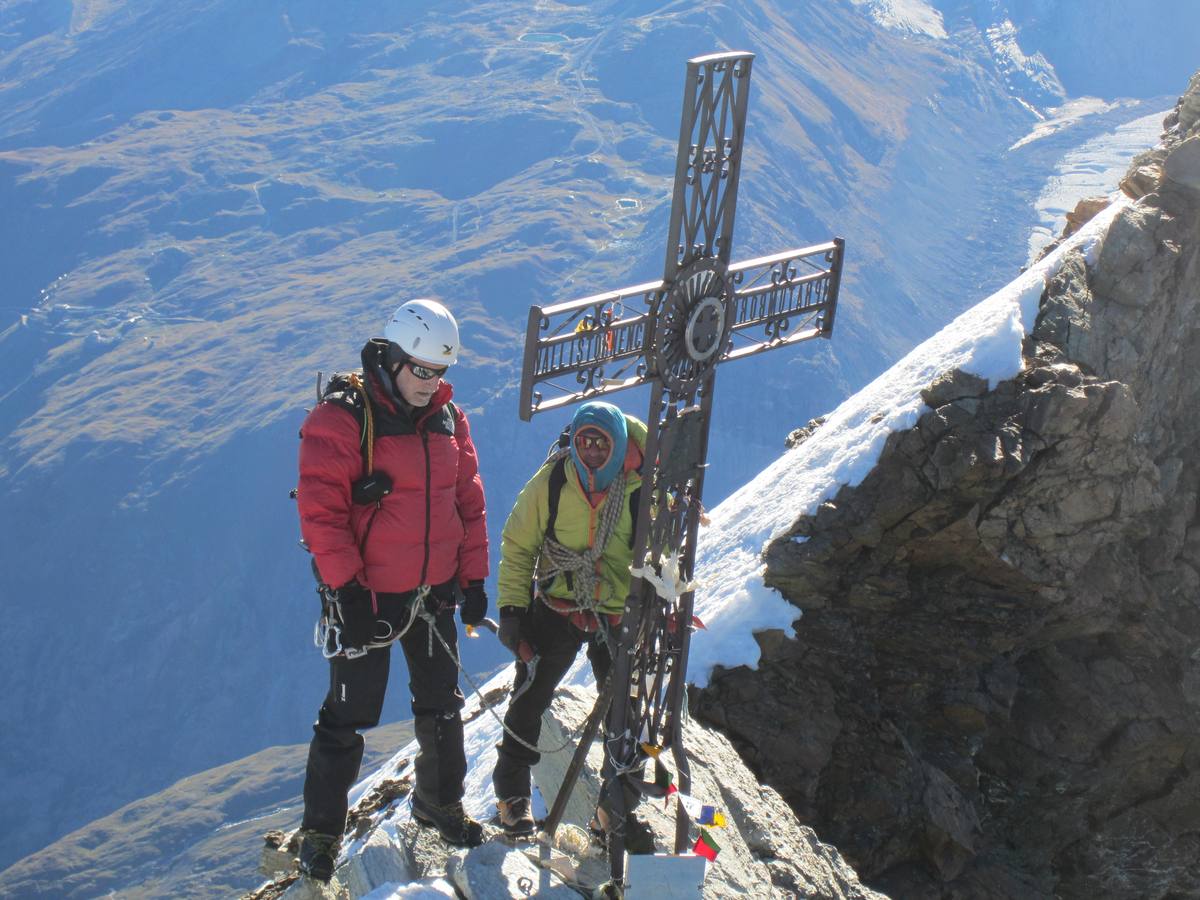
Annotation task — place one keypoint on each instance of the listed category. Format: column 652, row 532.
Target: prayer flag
column 663, row 778
column 705, row 846
column 702, row 813
column 710, row 816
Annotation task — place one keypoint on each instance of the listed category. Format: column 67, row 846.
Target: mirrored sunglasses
column 425, row 373
column 588, row 441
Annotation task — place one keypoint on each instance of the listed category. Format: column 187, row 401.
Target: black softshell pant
column 355, row 701
column 556, row 642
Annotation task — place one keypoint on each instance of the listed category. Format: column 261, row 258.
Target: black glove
column 512, row 629
column 475, row 602
column 358, row 618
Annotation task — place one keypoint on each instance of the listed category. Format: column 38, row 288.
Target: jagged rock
column 1183, row 165
column 1085, row 210
column 951, row 386
column 360, row 817
column 307, row 889
column 994, row 690
column 799, row 435
column 765, row 852
column 279, row 853
column 1187, row 112
column 1144, row 175
column 378, row 862
column 425, row 854
column 497, row 871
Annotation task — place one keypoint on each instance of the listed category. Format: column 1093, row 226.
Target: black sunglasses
column 587, row 441
column 396, row 358
column 425, row 373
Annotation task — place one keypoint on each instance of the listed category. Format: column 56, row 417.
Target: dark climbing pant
column 556, row 642
column 354, row 703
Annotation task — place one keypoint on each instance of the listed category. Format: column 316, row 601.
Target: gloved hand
column 358, row 618
column 475, row 603
column 512, row 632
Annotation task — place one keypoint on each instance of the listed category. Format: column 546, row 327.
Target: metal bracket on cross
column 673, row 334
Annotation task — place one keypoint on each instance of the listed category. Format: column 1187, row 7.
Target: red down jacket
column 431, row 528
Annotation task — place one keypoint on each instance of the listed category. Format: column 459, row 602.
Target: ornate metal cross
column 673, row 334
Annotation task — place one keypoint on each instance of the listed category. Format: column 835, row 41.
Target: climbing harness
column 327, row 635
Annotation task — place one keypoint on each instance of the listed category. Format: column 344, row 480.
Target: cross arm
column 784, row 298
column 586, row 348
column 589, row 348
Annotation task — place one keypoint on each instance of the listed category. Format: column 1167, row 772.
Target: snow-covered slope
column 912, row 16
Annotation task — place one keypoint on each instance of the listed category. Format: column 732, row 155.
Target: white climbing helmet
column 424, row 329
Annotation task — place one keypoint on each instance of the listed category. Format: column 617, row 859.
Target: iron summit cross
column 672, row 335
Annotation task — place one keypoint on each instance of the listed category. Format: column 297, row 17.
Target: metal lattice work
column 709, row 159
column 673, row 335
column 590, row 348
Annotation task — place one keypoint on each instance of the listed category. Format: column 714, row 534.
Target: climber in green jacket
column 565, row 554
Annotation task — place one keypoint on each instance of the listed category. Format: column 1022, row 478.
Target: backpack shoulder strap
column 634, row 499
column 558, row 478
column 349, row 392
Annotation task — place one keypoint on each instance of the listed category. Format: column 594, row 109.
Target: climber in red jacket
column 392, row 509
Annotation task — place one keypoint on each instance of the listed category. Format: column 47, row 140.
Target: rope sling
column 555, row 559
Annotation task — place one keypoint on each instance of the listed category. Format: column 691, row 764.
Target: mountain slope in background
column 205, row 204
column 201, row 837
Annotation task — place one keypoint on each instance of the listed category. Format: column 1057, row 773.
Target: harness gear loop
column 327, row 634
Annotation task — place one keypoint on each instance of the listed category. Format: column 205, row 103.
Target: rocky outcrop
column 764, row 851
column 994, row 689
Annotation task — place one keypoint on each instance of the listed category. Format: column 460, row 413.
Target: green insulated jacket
column 574, row 528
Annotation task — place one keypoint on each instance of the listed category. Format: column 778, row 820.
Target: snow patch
column 1071, row 113
column 1090, row 171
column 913, row 16
column 1015, row 64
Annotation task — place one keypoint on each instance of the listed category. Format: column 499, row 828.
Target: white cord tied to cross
column 670, row 585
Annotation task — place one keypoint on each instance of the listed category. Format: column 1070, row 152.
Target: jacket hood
column 382, row 388
column 610, row 420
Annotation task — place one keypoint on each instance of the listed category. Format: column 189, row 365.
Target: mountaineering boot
column 318, row 855
column 440, row 767
column 451, row 821
column 516, row 818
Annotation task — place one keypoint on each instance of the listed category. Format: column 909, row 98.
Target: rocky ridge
column 764, row 852
column 994, row 690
